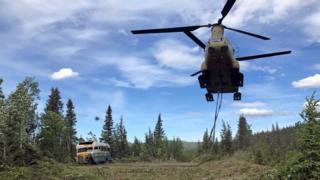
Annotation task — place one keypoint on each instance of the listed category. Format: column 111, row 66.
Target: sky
column 85, row 48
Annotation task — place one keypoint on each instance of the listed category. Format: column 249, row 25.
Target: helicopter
column 220, row 70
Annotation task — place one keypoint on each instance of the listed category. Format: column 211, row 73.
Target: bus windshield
column 82, row 150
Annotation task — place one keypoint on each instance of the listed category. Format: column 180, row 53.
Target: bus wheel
column 91, row 161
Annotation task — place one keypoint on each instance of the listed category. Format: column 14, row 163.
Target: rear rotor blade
column 169, row 30
column 226, row 9
column 263, row 55
column 196, row 73
column 195, row 39
column 247, row 33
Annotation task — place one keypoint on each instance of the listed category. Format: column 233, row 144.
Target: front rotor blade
column 168, row 30
column 226, row 9
column 248, row 33
column 195, row 39
column 263, row 55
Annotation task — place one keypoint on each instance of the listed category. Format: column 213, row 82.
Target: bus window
column 90, row 148
column 96, row 147
column 82, row 150
column 103, row 148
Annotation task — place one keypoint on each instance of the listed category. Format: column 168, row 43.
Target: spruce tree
column 216, row 147
column 159, row 133
column 176, row 149
column 123, row 143
column 136, row 147
column 107, row 130
column 159, row 136
column 91, row 137
column 150, row 144
column 81, row 139
column 307, row 163
column 54, row 103
column 71, row 130
column 120, row 140
column 54, row 135
column 226, row 138
column 2, row 126
column 205, row 142
column 243, row 134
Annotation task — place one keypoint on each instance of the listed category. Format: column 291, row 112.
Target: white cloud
column 176, row 55
column 313, row 24
column 63, row 74
column 66, row 51
column 247, row 66
column 308, row 82
column 256, row 112
column 248, row 104
column 142, row 74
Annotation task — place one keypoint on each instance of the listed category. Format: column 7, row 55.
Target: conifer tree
column 176, row 149
column 159, row 133
column 54, row 103
column 307, row 163
column 91, row 137
column 120, row 140
column 205, row 142
column 216, row 147
column 159, row 136
column 81, row 139
column 107, row 130
column 243, row 134
column 136, row 148
column 71, row 130
column 54, row 136
column 149, row 144
column 226, row 138
column 2, row 126
column 199, row 148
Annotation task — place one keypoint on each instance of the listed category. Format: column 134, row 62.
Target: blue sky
column 84, row 47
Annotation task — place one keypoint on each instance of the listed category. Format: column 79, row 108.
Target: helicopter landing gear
column 237, row 79
column 203, row 80
column 209, row 97
column 237, row 96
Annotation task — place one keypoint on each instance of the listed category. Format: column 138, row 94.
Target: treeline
column 294, row 151
column 26, row 136
column 156, row 145
column 227, row 144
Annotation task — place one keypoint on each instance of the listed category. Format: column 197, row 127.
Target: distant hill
column 189, row 145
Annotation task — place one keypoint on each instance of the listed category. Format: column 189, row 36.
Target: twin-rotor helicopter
column 220, row 70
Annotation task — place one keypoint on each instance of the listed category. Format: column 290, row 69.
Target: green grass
column 229, row 168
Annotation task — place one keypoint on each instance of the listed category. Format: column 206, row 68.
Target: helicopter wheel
column 209, row 97
column 237, row 96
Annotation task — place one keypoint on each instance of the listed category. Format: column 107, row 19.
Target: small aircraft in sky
column 220, row 70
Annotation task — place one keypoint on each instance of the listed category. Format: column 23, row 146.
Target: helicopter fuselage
column 220, row 70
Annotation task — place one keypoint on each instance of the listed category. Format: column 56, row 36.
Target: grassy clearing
column 230, row 168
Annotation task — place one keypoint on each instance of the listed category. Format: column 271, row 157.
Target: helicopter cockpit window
column 214, row 39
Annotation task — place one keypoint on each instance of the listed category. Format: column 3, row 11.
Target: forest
column 29, row 139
